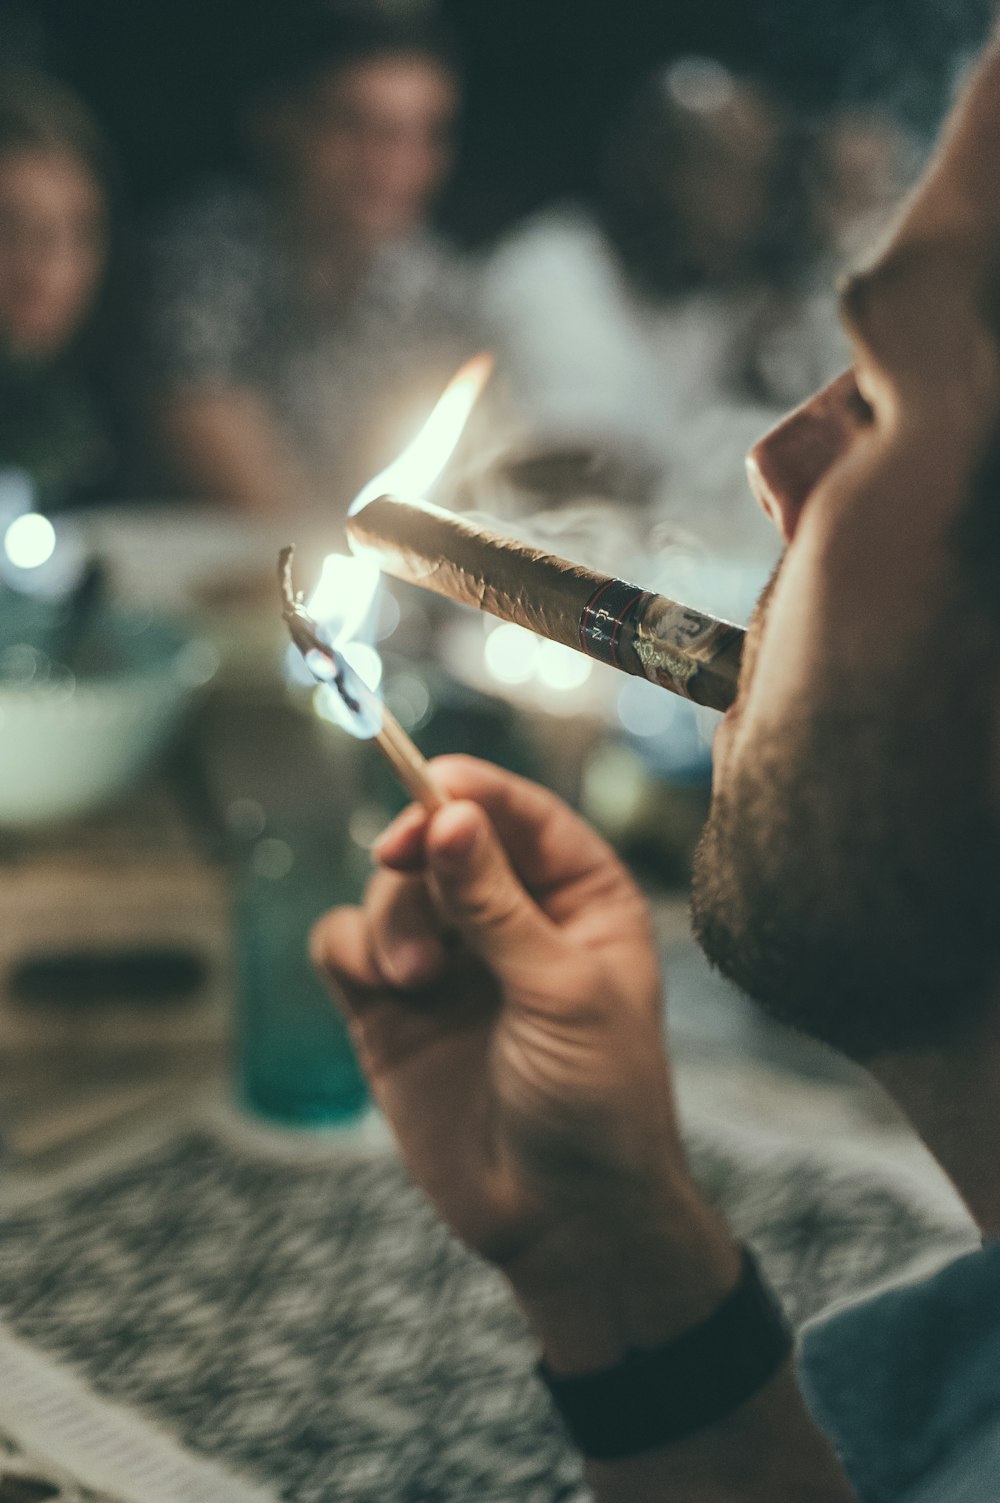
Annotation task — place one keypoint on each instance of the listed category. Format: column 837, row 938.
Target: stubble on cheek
column 847, row 878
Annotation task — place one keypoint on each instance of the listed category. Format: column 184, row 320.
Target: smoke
column 902, row 56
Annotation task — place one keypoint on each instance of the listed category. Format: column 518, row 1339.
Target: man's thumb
column 480, row 894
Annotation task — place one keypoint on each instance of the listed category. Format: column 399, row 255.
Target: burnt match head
column 330, row 668
column 302, row 628
column 285, row 585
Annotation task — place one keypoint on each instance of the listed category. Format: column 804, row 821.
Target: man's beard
column 848, row 876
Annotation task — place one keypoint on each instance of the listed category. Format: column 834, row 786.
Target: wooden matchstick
column 403, row 756
column 408, row 763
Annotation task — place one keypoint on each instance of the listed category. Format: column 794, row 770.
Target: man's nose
column 786, row 465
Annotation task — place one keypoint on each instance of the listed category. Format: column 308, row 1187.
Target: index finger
column 548, row 845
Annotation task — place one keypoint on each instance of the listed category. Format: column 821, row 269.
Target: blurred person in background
column 55, row 177
column 668, row 322
column 298, row 325
column 865, row 163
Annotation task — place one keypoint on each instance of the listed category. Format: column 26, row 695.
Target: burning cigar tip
column 288, row 597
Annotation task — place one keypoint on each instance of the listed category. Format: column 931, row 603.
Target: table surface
column 196, row 1306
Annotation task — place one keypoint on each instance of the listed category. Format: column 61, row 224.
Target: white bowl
column 70, row 745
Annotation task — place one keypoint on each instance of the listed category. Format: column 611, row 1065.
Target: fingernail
column 409, row 963
column 410, row 819
column 453, row 852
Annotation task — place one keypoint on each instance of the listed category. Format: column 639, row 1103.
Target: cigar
column 681, row 649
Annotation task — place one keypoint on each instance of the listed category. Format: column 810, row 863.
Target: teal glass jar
column 295, row 1062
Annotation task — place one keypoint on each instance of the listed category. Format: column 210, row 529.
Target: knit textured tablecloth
column 289, row 1314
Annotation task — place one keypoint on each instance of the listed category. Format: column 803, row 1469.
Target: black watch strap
column 658, row 1396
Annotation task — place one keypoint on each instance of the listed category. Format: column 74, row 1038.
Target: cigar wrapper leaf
column 681, row 649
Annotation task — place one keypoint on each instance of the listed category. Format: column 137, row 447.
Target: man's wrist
column 593, row 1296
column 661, row 1396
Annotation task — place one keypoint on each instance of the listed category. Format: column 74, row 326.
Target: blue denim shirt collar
column 901, row 1380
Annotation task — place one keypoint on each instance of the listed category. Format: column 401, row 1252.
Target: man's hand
column 502, row 987
column 503, row 990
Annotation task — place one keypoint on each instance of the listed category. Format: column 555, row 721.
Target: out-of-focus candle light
column 519, row 658
column 29, row 541
column 643, row 710
column 613, row 788
column 511, row 653
column 409, row 699
column 561, row 668
column 35, row 559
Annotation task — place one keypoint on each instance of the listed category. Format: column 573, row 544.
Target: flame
column 343, row 605
column 343, row 697
column 415, row 471
column 344, row 596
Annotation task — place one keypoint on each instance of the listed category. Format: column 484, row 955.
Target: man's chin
column 871, row 944
column 772, row 967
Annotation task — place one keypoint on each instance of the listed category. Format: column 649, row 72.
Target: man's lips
column 755, row 632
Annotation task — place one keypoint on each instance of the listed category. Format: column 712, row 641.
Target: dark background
column 544, row 76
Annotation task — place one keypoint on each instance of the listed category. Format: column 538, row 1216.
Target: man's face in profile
column 848, row 877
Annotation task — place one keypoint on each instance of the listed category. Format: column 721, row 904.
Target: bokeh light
column 645, row 709
column 29, row 541
column 511, row 653
column 561, row 667
column 365, row 661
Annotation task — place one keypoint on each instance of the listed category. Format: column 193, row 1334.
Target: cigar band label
column 680, row 627
column 674, row 643
column 610, row 618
